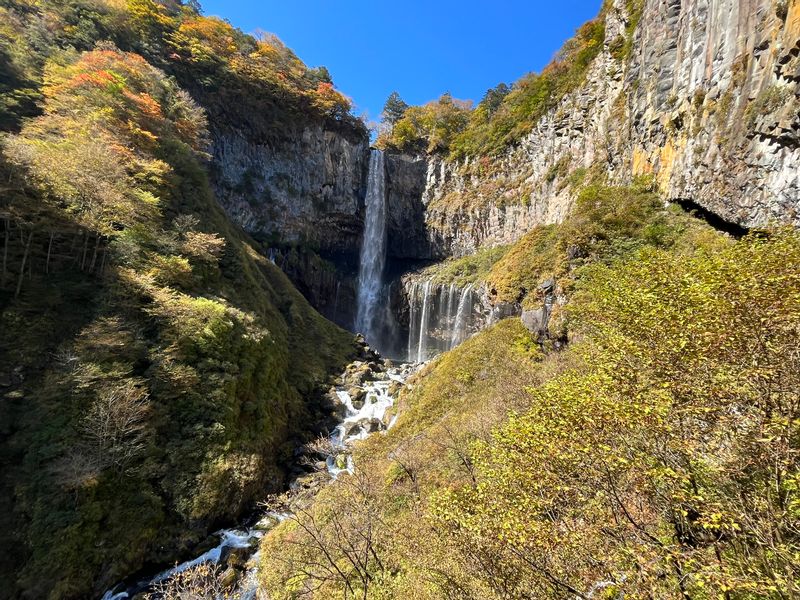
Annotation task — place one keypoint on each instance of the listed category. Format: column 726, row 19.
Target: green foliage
column 394, row 109
column 462, row 271
column 503, row 118
column 657, row 457
column 768, row 100
column 621, row 47
column 430, row 128
column 452, row 403
column 208, row 56
column 167, row 364
column 628, row 467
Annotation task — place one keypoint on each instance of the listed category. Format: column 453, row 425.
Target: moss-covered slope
column 655, row 457
column 156, row 370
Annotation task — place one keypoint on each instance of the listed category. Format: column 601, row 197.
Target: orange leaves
column 145, row 103
column 126, row 96
column 103, row 79
column 98, row 150
column 329, row 101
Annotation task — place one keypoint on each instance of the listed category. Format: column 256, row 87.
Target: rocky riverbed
column 360, row 402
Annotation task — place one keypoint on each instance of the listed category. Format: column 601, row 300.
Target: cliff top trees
column 430, row 127
column 98, row 151
column 506, row 115
column 200, row 51
column 394, row 109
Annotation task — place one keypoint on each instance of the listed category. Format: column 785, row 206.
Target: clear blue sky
column 421, row 48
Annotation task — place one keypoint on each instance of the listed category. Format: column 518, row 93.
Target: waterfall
column 412, row 319
column 460, row 325
column 424, row 320
column 440, row 317
column 450, row 295
column 373, row 250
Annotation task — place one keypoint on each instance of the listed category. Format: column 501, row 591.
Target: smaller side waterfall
column 460, row 325
column 413, row 321
column 440, row 317
column 423, row 322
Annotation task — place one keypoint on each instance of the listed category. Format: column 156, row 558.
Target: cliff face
column 700, row 95
column 705, row 101
column 407, row 235
column 715, row 115
column 305, row 187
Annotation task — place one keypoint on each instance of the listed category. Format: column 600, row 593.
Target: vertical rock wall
column 707, row 102
column 307, row 187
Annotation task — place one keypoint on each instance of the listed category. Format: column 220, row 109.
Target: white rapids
column 358, row 424
column 361, row 422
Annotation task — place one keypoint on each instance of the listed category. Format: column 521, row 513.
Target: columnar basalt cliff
column 307, row 187
column 406, row 185
column 714, row 111
column 701, row 96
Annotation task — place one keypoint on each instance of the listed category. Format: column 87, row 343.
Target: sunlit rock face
column 706, row 103
column 713, row 106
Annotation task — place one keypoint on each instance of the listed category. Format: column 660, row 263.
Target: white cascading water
column 460, row 326
column 358, row 424
column 413, row 328
column 373, row 250
column 440, row 318
column 451, row 293
column 423, row 322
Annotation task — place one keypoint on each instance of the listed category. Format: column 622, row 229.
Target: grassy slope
column 206, row 358
column 607, row 222
column 491, row 482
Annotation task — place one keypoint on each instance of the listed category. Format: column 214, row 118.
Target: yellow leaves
column 433, row 125
column 207, row 247
column 171, row 270
column 206, row 38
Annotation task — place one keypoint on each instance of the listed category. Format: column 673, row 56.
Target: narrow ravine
column 362, row 397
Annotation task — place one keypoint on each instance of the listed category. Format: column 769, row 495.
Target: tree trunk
column 24, row 260
column 94, row 254
column 85, row 248
column 72, row 247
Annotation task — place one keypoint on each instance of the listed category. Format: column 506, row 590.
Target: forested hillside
column 640, row 440
column 589, row 279
column 156, row 370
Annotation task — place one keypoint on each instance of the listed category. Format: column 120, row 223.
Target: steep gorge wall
column 706, row 102
column 306, row 186
column 714, row 111
column 302, row 194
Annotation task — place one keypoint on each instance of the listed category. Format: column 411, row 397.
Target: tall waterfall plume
column 373, row 251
